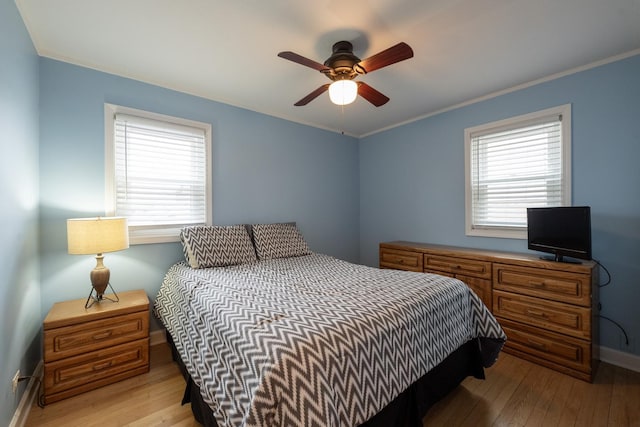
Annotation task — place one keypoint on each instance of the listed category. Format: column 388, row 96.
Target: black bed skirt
column 406, row 410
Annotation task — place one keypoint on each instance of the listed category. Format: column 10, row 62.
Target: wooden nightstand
column 89, row 348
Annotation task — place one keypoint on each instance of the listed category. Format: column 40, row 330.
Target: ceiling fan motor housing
column 341, row 62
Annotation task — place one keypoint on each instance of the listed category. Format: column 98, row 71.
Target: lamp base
column 92, row 299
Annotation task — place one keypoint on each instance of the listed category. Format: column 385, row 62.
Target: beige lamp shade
column 97, row 235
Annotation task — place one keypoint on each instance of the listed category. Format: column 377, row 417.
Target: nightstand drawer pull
column 102, row 366
column 102, row 335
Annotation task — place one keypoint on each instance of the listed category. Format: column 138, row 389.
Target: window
column 158, row 173
column 513, row 164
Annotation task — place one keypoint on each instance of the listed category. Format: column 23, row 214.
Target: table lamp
column 96, row 236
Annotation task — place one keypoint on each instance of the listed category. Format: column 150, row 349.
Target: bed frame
column 406, row 410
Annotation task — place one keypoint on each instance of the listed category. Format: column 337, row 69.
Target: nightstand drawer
column 400, row 260
column 92, row 370
column 573, row 288
column 550, row 315
column 81, row 338
column 547, row 347
column 453, row 265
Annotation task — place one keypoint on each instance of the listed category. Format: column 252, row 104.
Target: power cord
column 626, row 338
column 608, row 282
column 40, row 399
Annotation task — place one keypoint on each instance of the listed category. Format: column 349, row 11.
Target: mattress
column 313, row 340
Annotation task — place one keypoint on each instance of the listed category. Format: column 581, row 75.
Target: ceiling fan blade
column 394, row 54
column 313, row 95
column 303, row 61
column 371, row 95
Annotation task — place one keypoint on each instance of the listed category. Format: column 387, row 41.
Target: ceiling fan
column 343, row 67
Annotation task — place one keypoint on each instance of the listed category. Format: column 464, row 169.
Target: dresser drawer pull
column 536, row 344
column 537, row 284
column 536, row 313
column 102, row 366
column 103, row 335
column 469, row 268
column 400, row 261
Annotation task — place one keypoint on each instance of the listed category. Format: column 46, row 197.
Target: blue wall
column 19, row 283
column 264, row 170
column 346, row 195
column 412, row 179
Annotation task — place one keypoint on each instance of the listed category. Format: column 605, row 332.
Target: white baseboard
column 620, row 358
column 28, row 397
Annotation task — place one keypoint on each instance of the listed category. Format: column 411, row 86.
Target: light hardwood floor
column 151, row 399
column 515, row 393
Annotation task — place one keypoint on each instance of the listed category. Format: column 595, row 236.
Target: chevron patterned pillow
column 279, row 241
column 216, row 246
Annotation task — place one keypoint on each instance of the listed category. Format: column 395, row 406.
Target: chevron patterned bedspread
column 313, row 340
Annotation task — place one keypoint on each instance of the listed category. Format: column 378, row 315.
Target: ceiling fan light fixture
column 343, row 66
column 343, row 92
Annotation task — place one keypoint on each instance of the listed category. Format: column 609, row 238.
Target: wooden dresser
column 547, row 309
column 89, row 348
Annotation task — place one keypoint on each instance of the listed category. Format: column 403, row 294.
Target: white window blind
column 518, row 164
column 160, row 174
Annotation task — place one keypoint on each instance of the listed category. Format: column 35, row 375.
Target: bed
column 270, row 334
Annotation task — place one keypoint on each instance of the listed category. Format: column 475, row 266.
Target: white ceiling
column 226, row 50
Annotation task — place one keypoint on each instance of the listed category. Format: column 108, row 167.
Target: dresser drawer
column 92, row 370
column 481, row 287
column 83, row 337
column 573, row 288
column 550, row 315
column 400, row 260
column 453, row 265
column 547, row 347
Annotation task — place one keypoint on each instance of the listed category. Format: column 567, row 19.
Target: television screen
column 561, row 231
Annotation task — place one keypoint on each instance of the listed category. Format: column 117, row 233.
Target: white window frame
column 507, row 124
column 158, row 233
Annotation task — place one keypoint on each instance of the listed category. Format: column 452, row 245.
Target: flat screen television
column 561, row 231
